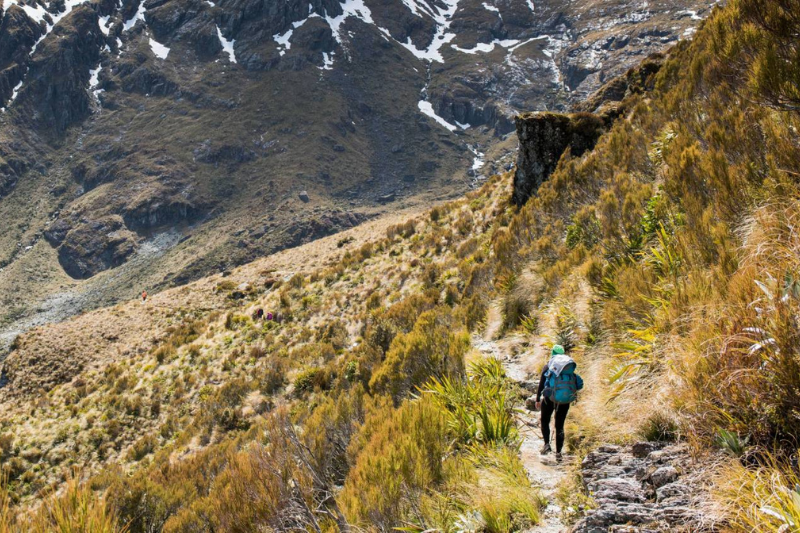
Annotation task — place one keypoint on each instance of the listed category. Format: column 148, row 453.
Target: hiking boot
column 559, row 458
column 547, row 449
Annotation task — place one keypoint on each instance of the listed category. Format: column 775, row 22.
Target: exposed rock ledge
column 543, row 139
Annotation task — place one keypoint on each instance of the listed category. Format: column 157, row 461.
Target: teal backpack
column 562, row 383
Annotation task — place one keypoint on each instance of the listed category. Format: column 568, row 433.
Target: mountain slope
column 663, row 258
column 174, row 137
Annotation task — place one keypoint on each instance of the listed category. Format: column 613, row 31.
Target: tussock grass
column 764, row 499
column 76, row 510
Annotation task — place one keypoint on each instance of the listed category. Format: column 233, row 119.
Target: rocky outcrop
column 459, row 105
column 153, row 212
column 91, row 246
column 648, row 487
column 328, row 223
column 543, row 139
column 18, row 33
column 636, row 80
column 215, row 153
column 139, row 76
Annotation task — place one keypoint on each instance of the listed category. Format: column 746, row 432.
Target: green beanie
column 557, row 350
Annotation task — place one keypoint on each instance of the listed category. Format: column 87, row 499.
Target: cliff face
column 543, row 139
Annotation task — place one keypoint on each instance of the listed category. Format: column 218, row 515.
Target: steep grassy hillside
column 665, row 260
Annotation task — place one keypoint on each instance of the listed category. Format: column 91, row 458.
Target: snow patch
column 94, row 81
column 427, row 109
column 487, row 47
column 327, row 61
column 14, row 94
column 284, row 40
column 442, row 36
column 159, row 50
column 139, row 15
column 478, row 162
column 227, row 46
column 691, row 13
column 35, row 13
column 94, row 77
column 350, row 8
column 103, row 21
column 490, row 7
column 415, row 7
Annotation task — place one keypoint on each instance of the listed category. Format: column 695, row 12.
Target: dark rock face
column 138, row 76
column 57, row 80
column 92, row 245
column 327, row 224
column 543, row 139
column 18, row 33
column 648, row 487
column 155, row 212
column 230, row 153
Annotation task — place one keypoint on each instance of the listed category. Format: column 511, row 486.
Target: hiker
column 558, row 388
column 259, row 314
column 144, row 296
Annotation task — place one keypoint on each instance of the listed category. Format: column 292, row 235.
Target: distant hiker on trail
column 259, row 314
column 559, row 385
column 144, row 296
column 270, row 316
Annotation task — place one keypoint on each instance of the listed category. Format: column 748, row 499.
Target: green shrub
column 309, row 379
column 142, row 447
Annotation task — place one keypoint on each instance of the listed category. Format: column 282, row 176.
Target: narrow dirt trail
column 523, row 357
column 543, row 470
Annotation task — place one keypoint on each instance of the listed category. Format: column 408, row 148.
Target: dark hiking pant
column 548, row 407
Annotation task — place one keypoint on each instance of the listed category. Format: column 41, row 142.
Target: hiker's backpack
column 562, row 386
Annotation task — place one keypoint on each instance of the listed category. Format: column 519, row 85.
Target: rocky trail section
column 646, row 488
